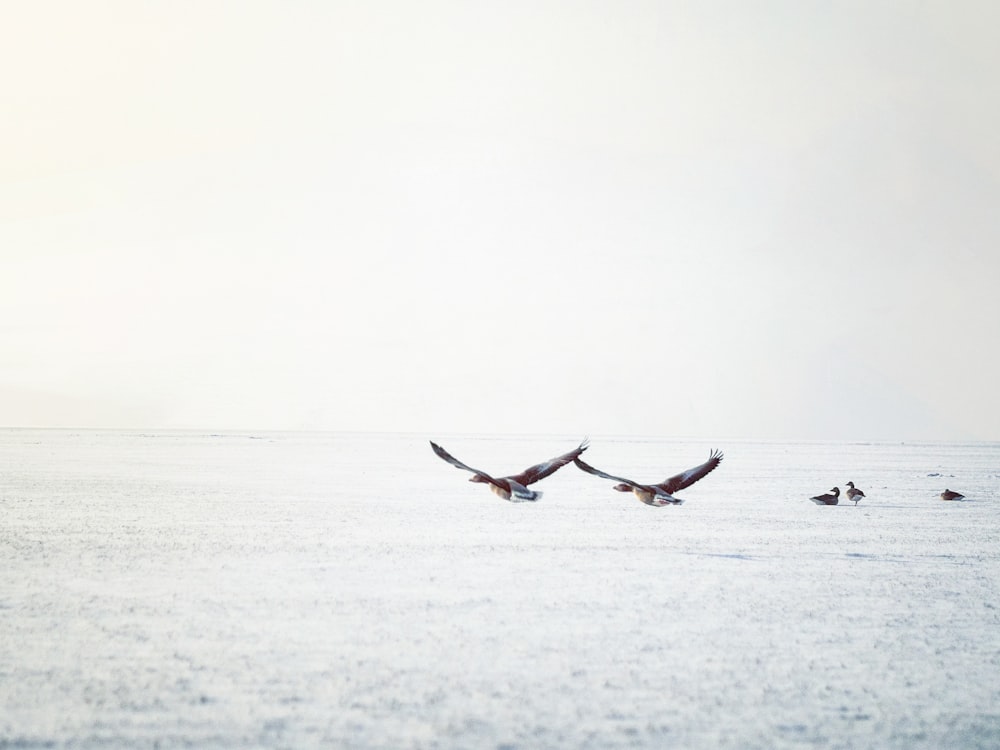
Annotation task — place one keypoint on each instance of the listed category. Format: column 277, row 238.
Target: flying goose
column 854, row 494
column 658, row 494
column 828, row 499
column 949, row 495
column 515, row 487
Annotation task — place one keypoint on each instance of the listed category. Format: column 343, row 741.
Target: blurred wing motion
column 546, row 468
column 442, row 453
column 689, row 477
column 598, row 473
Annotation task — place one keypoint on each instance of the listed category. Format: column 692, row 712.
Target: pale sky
column 710, row 219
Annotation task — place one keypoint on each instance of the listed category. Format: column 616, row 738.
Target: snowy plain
column 298, row 590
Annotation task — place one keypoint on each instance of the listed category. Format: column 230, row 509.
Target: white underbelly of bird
column 518, row 493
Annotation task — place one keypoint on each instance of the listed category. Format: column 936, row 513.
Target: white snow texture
column 293, row 590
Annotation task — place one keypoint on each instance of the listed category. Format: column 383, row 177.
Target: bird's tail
column 525, row 496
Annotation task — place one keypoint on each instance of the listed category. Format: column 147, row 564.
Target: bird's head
column 835, row 491
column 851, row 485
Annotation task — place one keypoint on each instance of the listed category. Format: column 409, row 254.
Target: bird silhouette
column 658, row 494
column 853, row 493
column 828, row 499
column 515, row 487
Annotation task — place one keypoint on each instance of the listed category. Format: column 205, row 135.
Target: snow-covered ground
column 332, row 590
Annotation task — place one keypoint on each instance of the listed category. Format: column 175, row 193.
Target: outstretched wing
column 542, row 470
column 689, row 477
column 598, row 473
column 442, row 453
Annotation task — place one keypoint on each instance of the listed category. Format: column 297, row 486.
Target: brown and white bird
column 515, row 487
column 949, row 495
column 658, row 494
column 853, row 493
column 828, row 499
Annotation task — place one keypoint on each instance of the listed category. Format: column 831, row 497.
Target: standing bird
column 854, row 494
column 515, row 488
column 949, row 495
column 658, row 494
column 828, row 499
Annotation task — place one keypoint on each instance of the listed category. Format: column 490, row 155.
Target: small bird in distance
column 853, row 493
column 830, row 498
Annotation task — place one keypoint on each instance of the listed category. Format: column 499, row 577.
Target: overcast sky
column 715, row 219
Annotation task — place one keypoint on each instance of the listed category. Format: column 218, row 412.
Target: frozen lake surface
column 330, row 590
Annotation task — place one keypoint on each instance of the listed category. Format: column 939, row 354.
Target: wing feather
column 598, row 473
column 546, row 468
column 687, row 478
column 442, row 453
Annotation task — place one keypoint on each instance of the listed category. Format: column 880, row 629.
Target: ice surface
column 333, row 590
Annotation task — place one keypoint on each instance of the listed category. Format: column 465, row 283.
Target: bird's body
column 854, row 494
column 949, row 495
column 658, row 494
column 830, row 498
column 514, row 488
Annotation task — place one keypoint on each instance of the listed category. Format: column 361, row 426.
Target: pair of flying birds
column 515, row 487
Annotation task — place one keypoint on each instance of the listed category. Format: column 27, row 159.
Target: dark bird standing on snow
column 515, row 488
column 854, row 494
column 658, row 494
